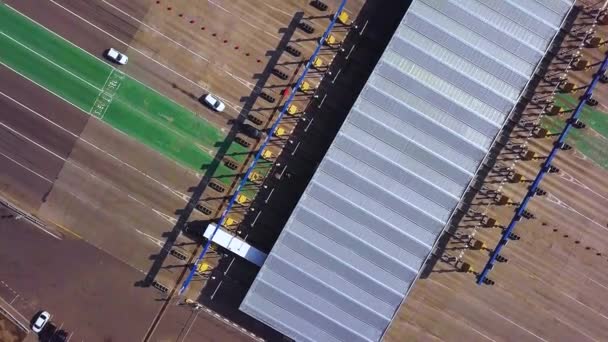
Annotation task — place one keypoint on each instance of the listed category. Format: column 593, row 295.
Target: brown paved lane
column 19, row 124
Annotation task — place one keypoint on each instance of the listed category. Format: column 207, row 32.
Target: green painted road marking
column 101, row 90
column 592, row 142
column 51, row 76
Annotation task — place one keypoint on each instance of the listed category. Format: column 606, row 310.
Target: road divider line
column 241, row 19
column 48, row 60
column 27, row 168
column 32, row 141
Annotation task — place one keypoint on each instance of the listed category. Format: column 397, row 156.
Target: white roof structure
column 397, row 169
column 235, row 244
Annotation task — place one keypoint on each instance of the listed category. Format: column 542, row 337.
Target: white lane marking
column 585, row 305
column 165, row 187
column 243, row 20
column 50, row 61
column 279, row 10
column 247, row 84
column 479, row 302
column 143, row 54
column 598, row 283
column 219, row 6
column 32, row 141
column 90, row 174
column 27, row 168
column 572, row 179
column 517, row 325
column 576, row 329
column 552, row 198
column 156, row 241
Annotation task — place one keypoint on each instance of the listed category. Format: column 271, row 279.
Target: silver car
column 41, row 320
column 214, row 103
column 115, row 56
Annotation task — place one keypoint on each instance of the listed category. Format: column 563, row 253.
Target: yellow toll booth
column 255, row 177
column 230, row 222
column 292, row 109
column 343, row 18
column 317, row 62
column 266, row 154
column 304, row 86
column 242, row 199
column 202, row 267
column 331, row 40
column 280, row 131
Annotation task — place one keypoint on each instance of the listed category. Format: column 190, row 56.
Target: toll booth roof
column 398, row 167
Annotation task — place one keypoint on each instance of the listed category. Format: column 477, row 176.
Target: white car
column 214, row 103
column 116, row 56
column 41, row 320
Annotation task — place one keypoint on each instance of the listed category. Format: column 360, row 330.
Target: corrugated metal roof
column 399, row 165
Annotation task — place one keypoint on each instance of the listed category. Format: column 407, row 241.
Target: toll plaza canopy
column 398, row 167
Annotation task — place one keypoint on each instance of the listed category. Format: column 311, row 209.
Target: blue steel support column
column 543, row 170
column 264, row 144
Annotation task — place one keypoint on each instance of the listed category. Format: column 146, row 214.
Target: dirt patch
column 9, row 331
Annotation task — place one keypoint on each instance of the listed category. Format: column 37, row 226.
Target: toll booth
column 343, row 18
column 235, row 245
column 317, row 63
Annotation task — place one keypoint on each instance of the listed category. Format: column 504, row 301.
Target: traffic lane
column 25, row 153
column 149, row 163
column 22, row 186
column 182, row 323
column 110, row 220
column 41, row 101
column 87, row 291
column 162, row 199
